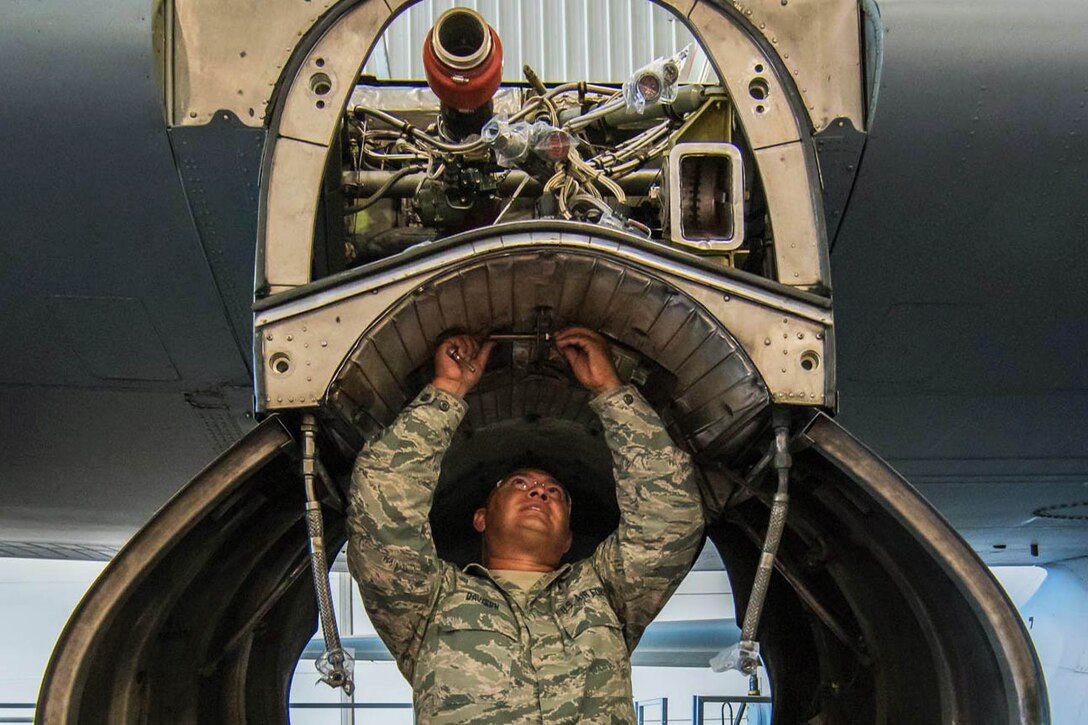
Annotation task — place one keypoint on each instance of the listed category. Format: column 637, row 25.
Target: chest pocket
column 591, row 624
column 477, row 642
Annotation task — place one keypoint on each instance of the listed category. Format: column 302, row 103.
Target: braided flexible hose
column 334, row 664
column 775, row 526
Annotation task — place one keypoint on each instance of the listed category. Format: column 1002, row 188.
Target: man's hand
column 459, row 364
column 587, row 354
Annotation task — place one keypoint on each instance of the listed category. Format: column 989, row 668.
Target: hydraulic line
column 749, row 650
column 335, row 665
column 381, row 190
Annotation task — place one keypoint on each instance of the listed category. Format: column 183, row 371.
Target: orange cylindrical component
column 462, row 56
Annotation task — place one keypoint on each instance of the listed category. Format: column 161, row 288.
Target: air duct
column 462, row 57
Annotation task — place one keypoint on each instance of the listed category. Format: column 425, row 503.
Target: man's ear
column 479, row 520
column 570, row 540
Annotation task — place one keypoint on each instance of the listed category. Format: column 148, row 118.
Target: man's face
column 527, row 513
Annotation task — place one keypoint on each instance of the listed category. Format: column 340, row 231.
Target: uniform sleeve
column 661, row 518
column 390, row 550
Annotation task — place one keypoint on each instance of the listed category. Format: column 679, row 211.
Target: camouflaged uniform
column 472, row 651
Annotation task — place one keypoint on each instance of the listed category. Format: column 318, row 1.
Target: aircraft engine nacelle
column 688, row 219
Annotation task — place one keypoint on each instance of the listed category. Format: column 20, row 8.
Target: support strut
column 335, row 665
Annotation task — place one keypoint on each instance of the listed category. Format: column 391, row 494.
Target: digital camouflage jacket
column 472, row 653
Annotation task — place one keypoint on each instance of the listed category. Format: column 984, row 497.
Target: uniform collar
column 545, row 581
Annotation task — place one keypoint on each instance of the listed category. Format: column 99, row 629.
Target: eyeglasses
column 524, row 483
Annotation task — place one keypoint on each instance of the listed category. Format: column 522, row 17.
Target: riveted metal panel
column 789, row 341
column 327, row 75
column 749, row 74
column 290, row 205
column 792, row 199
column 216, row 60
column 819, row 43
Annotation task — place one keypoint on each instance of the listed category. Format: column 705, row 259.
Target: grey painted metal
column 945, row 319
column 48, row 550
column 218, row 163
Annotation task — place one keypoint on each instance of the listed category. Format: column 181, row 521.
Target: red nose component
column 462, row 56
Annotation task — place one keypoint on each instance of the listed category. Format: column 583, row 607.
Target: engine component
column 687, row 100
column 368, row 183
column 549, row 143
column 703, row 205
column 464, row 198
column 462, row 57
column 509, row 141
column 753, row 611
column 655, row 82
column 512, row 142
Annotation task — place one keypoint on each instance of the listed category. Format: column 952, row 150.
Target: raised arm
column 390, row 550
column 661, row 520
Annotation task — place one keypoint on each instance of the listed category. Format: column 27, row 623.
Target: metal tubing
column 335, row 662
column 615, row 113
column 635, row 184
column 775, row 527
column 382, row 190
column 417, row 134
